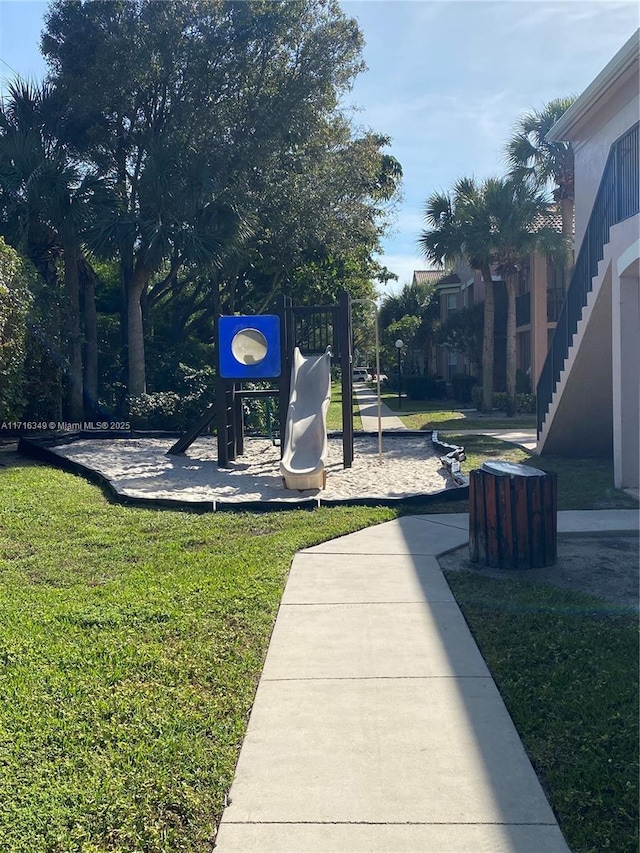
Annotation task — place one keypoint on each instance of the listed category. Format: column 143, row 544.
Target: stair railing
column 618, row 198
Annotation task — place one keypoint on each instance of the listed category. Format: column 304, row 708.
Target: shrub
column 261, row 414
column 425, row 388
column 15, row 301
column 499, row 401
column 180, row 408
column 463, row 385
column 525, row 403
column 158, row 411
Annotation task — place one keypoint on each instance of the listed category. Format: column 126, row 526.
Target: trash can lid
column 511, row 469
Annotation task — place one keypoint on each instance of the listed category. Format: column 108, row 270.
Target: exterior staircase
column 574, row 392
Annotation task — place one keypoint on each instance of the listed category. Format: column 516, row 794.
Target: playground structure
column 304, row 453
column 270, row 348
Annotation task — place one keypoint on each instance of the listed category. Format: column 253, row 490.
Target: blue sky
column 446, row 81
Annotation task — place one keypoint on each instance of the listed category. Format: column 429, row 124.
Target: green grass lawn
column 334, row 414
column 131, row 643
column 567, row 667
column 424, row 414
column 132, row 640
column 582, row 483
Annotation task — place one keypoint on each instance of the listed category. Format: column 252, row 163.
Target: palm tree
column 46, row 193
column 69, row 199
column 34, row 185
column 532, row 157
column 460, row 229
column 519, row 227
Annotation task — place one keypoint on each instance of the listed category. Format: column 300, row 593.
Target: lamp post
column 399, row 345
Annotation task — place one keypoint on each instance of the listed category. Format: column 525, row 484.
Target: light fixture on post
column 399, row 345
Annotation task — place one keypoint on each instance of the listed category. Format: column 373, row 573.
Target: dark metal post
column 399, row 345
column 222, row 421
column 285, row 312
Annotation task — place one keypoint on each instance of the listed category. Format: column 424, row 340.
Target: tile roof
column 553, row 219
column 428, row 276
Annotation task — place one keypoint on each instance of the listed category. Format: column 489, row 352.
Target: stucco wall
column 592, row 140
column 538, row 280
column 625, row 246
column 583, row 421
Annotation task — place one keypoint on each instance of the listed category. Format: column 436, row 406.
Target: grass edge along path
column 131, row 644
column 449, row 416
column 566, row 665
column 582, row 483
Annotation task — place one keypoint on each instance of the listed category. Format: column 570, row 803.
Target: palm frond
column 530, row 155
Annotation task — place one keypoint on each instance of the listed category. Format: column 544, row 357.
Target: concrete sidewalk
column 368, row 404
column 526, row 438
column 377, row 725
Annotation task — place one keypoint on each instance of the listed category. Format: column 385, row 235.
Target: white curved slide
column 305, row 437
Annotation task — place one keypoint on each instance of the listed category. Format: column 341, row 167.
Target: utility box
column 513, row 516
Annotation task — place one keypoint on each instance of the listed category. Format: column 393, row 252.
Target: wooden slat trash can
column 513, row 511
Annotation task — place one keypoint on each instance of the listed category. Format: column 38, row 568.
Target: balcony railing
column 618, row 198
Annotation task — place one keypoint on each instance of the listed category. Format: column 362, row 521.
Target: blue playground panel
column 235, row 361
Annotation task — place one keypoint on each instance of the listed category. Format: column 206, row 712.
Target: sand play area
column 141, row 468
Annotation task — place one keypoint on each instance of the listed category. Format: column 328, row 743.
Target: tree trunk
column 511, row 345
column 135, row 337
column 488, row 342
column 91, row 338
column 125, row 249
column 72, row 285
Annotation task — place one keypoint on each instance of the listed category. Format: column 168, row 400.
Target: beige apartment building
column 589, row 389
column 541, row 292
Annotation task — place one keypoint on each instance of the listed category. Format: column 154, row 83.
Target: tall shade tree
column 411, row 315
column 159, row 92
column 459, row 228
column 532, row 157
column 317, row 216
column 519, row 227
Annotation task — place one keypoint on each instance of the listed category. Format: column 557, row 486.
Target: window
column 452, row 303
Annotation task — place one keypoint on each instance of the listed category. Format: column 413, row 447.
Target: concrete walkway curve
column 368, row 405
column 377, row 725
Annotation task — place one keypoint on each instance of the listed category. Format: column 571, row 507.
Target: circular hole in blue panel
column 249, row 346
